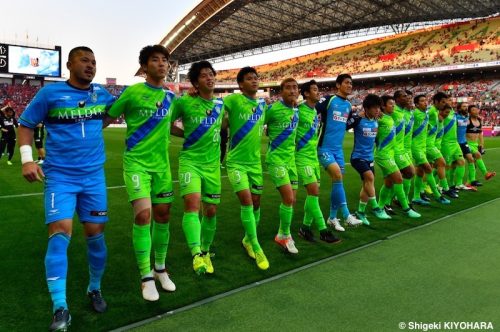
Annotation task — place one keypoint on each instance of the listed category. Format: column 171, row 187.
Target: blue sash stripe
column 307, row 136
column 248, row 126
column 400, row 127
column 206, row 124
column 450, row 124
column 409, row 125
column 417, row 131
column 287, row 131
column 440, row 133
column 387, row 140
column 433, row 130
column 151, row 123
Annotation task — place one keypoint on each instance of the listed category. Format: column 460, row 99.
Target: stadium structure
column 222, row 30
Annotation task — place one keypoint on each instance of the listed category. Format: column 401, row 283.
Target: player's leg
column 397, row 180
column 480, row 162
column 3, row 145
column 211, row 190
column 60, row 204
column 190, row 183
column 11, row 144
column 162, row 196
column 388, row 166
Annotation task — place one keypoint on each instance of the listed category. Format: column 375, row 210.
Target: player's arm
column 107, row 120
column 176, row 131
column 353, row 120
column 31, row 171
column 115, row 108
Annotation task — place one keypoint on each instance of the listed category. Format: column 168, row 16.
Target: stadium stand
column 465, row 42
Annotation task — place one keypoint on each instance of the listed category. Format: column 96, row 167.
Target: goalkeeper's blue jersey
column 73, row 120
column 462, row 122
column 334, row 111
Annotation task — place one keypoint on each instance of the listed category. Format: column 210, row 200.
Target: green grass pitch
column 25, row 303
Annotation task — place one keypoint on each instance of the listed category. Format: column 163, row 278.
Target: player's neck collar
column 337, row 95
column 77, row 88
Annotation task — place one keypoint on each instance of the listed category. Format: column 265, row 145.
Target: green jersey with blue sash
column 421, row 121
column 450, row 129
column 307, row 136
column 385, row 140
column 148, row 116
column 399, row 122
column 202, row 120
column 281, row 123
column 432, row 126
column 246, row 124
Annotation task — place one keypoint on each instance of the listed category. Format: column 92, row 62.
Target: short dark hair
column 243, row 71
column 306, row 87
column 287, row 80
column 398, row 94
column 417, row 98
column 471, row 107
column 195, row 70
column 386, row 98
column 446, row 106
column 77, row 49
column 372, row 100
column 341, row 78
column 408, row 92
column 439, row 96
column 148, row 51
column 8, row 109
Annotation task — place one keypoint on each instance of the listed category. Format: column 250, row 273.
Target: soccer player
column 74, row 175
column 462, row 121
column 8, row 123
column 433, row 142
column 365, row 127
column 419, row 148
column 282, row 118
column 451, row 151
column 246, row 114
column 39, row 137
column 306, row 159
column 474, row 136
column 146, row 166
column 335, row 111
column 403, row 120
column 384, row 157
column 199, row 162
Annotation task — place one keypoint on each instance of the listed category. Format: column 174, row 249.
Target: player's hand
column 32, row 172
column 481, row 149
column 193, row 92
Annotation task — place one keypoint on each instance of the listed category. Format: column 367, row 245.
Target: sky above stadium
column 116, row 31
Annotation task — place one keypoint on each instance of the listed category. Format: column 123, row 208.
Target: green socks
column 384, row 196
column 372, row 202
column 418, row 187
column 286, row 215
column 400, row 194
column 141, row 238
column 407, row 187
column 161, row 237
column 208, row 226
column 313, row 212
column 248, row 221
column 460, row 172
column 433, row 185
column 472, row 172
column 192, row 230
column 362, row 206
column 256, row 214
column 481, row 166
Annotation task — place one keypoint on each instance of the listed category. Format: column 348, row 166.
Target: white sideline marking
column 285, row 274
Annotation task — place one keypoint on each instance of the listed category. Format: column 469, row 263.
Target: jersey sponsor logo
column 339, row 116
column 213, row 196
column 158, row 113
column 78, row 114
column 167, row 194
column 370, row 132
column 250, row 117
column 98, row 213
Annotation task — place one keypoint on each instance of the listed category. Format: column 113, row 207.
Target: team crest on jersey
column 81, row 104
column 254, row 109
column 209, row 112
column 158, row 104
column 93, row 97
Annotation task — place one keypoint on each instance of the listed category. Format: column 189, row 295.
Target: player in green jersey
column 146, row 167
column 384, row 157
column 419, row 147
column 474, row 136
column 403, row 120
column 245, row 114
column 455, row 163
column 433, row 151
column 201, row 115
column 306, row 160
column 282, row 119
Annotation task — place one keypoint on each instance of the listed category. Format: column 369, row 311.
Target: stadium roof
column 215, row 28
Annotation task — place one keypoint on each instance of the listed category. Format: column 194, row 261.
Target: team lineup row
column 301, row 138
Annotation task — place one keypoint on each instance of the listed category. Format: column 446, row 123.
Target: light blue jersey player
column 74, row 175
column 335, row 111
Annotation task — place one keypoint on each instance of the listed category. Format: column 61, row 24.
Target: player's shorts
column 39, row 143
column 419, row 156
column 465, row 148
column 206, row 181
column 474, row 147
column 243, row 176
column 387, row 164
column 143, row 184
column 86, row 195
column 283, row 175
column 451, row 152
column 308, row 173
column 402, row 160
column 433, row 153
column 328, row 157
column 362, row 166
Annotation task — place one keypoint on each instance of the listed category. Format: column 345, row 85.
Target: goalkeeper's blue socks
column 56, row 268
column 96, row 253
